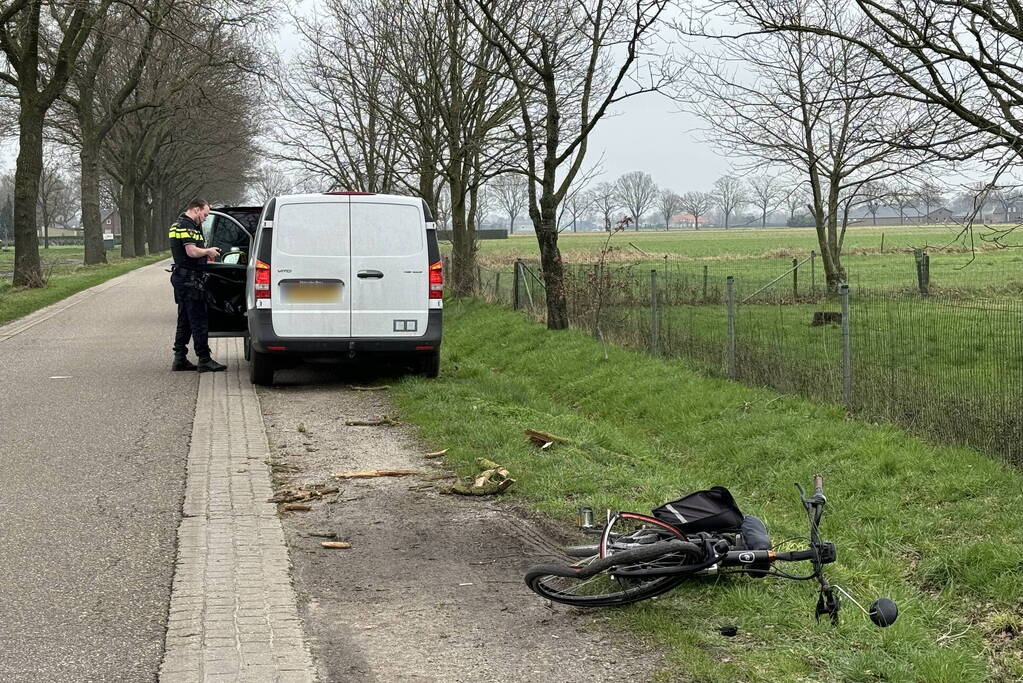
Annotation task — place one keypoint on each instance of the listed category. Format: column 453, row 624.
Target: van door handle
column 376, row 274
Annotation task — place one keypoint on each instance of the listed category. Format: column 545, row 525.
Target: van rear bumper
column 261, row 336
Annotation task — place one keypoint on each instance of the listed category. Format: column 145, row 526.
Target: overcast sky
column 646, row 134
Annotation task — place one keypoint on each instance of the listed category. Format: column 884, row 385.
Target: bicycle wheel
column 606, row 589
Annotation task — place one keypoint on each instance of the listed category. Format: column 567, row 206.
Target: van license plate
column 312, row 292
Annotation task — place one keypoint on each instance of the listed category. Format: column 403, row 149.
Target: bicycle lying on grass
column 641, row 556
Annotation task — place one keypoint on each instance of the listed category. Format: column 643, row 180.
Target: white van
column 343, row 275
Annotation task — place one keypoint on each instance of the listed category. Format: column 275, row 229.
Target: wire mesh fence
column 941, row 365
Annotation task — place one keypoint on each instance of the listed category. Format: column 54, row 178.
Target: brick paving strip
column 233, row 613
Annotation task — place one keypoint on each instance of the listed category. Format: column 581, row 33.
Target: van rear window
column 392, row 229
column 313, row 229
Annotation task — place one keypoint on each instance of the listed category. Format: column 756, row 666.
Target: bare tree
column 637, row 192
column 817, row 105
column 568, row 61
column 729, row 194
column 105, row 76
column 930, row 195
column 1006, row 197
column 900, row 198
column 270, row 181
column 875, row 195
column 333, row 109
column 604, row 199
column 577, row 202
column 697, row 205
column 58, row 203
column 511, row 195
column 963, row 57
column 766, row 193
column 668, row 204
column 41, row 51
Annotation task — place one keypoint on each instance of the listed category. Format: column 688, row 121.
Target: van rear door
column 311, row 271
column 390, row 267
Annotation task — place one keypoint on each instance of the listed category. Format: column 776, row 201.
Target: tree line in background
column 137, row 105
column 756, row 201
column 833, row 110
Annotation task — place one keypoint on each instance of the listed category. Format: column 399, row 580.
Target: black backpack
column 711, row 510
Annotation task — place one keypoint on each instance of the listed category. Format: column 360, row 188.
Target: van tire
column 247, row 347
column 429, row 365
column 261, row 369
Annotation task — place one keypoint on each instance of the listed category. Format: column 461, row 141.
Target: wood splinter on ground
column 385, row 420
column 297, row 496
column 545, row 440
column 369, row 474
column 494, row 479
column 338, row 545
column 436, row 454
column 382, row 387
column 295, row 507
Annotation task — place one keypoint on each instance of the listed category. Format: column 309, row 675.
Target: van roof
column 367, row 197
column 351, row 197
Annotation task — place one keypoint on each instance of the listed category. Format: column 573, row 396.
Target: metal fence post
column 843, row 293
column 923, row 268
column 516, row 302
column 705, row 283
column 655, row 315
column 497, row 286
column 730, row 287
column 813, row 271
column 795, row 278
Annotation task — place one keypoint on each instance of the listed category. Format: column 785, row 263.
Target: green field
column 938, row 529
column 65, row 275
column 948, row 366
column 755, row 257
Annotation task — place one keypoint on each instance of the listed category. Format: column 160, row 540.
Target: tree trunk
column 158, row 231
column 27, row 271
column 125, row 208
column 553, row 271
column 92, row 219
column 139, row 219
column 463, row 266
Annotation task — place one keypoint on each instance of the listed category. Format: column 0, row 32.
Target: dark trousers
column 193, row 321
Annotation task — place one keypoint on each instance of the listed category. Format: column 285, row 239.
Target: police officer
column 188, row 275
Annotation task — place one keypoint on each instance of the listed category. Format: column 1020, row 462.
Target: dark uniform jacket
column 188, row 275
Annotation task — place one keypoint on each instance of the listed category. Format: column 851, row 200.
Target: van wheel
column 429, row 365
column 247, row 347
column 261, row 369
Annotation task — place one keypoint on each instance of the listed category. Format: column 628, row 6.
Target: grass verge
column 937, row 529
column 64, row 279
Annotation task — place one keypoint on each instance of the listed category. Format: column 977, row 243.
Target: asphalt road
column 94, row 433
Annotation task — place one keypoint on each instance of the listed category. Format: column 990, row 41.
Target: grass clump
column 936, row 529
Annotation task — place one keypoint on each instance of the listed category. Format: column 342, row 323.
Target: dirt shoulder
column 431, row 589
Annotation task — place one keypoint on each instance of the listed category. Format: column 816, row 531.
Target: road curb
column 233, row 611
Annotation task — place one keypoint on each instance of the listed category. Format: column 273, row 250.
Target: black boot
column 207, row 364
column 181, row 362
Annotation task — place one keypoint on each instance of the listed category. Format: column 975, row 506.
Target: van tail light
column 262, row 284
column 436, row 281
